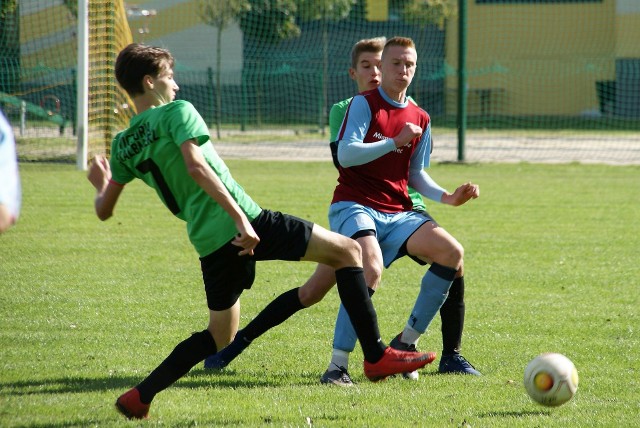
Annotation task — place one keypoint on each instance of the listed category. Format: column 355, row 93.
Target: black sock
column 275, row 313
column 452, row 316
column 353, row 292
column 187, row 354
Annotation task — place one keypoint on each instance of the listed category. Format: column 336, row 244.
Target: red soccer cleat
column 129, row 405
column 394, row 361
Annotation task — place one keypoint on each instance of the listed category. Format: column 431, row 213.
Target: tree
column 72, row 5
column 431, row 11
column 7, row 7
column 219, row 14
column 270, row 21
column 9, row 45
column 324, row 11
column 267, row 22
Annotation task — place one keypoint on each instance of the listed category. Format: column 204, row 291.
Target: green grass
column 89, row 308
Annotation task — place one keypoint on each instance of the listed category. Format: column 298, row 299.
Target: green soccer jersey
column 150, row 150
column 336, row 116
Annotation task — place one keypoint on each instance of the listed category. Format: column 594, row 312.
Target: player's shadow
column 71, row 384
column 196, row 378
column 230, row 378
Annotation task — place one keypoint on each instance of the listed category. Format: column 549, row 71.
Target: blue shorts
column 392, row 230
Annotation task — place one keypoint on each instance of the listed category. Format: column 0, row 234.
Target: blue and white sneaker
column 222, row 359
column 214, row 362
column 456, row 363
column 339, row 377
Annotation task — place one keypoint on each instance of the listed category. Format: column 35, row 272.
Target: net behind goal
column 553, row 81
column 38, row 77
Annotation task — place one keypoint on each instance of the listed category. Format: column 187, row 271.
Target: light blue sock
column 433, row 292
column 344, row 336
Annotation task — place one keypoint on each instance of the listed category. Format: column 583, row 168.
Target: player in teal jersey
column 366, row 55
column 367, row 75
column 167, row 146
column 365, row 72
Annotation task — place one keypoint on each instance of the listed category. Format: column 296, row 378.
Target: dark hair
column 136, row 61
column 373, row 45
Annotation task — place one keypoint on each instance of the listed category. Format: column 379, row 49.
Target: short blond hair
column 374, row 45
column 405, row 42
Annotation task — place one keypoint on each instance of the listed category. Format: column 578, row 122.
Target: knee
column 309, row 297
column 460, row 272
column 459, row 255
column 350, row 253
column 455, row 256
column 372, row 274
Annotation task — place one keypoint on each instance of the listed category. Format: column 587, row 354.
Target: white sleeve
column 10, row 191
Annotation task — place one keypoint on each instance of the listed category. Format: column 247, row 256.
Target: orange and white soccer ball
column 551, row 379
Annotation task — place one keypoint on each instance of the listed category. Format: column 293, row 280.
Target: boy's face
column 398, row 67
column 367, row 71
column 163, row 85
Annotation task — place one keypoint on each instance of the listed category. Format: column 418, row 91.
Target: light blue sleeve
column 352, row 150
column 418, row 177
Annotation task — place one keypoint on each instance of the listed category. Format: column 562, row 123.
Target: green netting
column 38, row 78
column 548, row 80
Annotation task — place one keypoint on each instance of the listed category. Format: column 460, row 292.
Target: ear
column 148, row 81
column 352, row 73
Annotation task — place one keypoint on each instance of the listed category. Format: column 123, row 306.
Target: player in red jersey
column 384, row 146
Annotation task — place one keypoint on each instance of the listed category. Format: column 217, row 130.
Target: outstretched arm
column 426, row 186
column 206, row 178
column 462, row 194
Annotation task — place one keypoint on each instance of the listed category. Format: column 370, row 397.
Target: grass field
column 89, row 308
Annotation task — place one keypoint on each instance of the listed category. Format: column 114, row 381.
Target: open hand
column 462, row 194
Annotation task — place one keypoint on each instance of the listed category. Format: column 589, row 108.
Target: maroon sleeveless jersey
column 382, row 183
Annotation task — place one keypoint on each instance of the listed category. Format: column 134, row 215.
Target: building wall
column 192, row 42
column 628, row 29
column 522, row 58
column 540, row 59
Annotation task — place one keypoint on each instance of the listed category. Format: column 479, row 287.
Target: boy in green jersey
column 167, row 146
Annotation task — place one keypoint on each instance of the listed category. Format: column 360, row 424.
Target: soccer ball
column 551, row 379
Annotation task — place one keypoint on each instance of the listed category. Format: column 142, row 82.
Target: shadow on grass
column 512, row 414
column 196, row 378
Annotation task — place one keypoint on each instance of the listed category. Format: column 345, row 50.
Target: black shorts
column 226, row 274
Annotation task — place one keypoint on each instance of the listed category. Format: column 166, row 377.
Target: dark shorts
column 226, row 275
